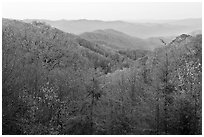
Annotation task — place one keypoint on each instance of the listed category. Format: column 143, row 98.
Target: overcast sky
column 101, row 11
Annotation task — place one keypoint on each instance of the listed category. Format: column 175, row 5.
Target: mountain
column 115, row 39
column 140, row 30
column 55, row 49
column 194, row 23
column 47, row 77
column 169, row 81
column 59, row 83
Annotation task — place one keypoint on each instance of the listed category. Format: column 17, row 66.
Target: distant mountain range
column 55, row 82
column 140, row 30
column 115, row 39
column 59, row 49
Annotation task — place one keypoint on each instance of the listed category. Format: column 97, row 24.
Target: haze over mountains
column 140, row 30
column 115, row 39
column 127, row 35
column 101, row 68
column 99, row 82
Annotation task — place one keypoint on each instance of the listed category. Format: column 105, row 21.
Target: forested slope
column 116, row 39
column 161, row 94
column 41, row 62
column 59, row 83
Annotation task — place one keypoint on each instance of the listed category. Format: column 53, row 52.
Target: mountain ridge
column 140, row 30
column 115, row 39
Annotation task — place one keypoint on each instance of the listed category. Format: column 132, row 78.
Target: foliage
column 58, row 83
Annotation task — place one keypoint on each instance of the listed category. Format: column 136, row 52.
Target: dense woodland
column 60, row 83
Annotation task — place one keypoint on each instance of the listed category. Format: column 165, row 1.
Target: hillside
column 165, row 86
column 115, row 39
column 140, row 30
column 67, row 42
column 58, row 83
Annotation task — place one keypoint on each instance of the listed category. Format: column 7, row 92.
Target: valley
column 91, row 77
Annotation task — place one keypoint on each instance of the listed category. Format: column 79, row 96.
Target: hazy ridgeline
column 104, row 79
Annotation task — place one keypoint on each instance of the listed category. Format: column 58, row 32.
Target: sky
column 57, row 9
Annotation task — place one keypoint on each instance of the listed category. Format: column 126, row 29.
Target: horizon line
column 115, row 20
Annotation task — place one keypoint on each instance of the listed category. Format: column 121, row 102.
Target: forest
column 58, row 83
